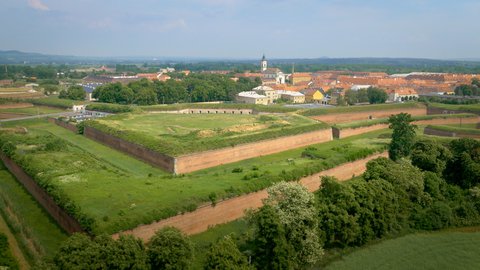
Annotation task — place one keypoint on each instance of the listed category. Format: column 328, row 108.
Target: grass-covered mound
column 179, row 134
column 361, row 108
column 455, row 129
column 367, row 123
column 473, row 108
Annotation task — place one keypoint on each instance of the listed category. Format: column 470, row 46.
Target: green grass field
column 36, row 233
column 54, row 101
column 437, row 250
column 178, row 134
column 120, row 192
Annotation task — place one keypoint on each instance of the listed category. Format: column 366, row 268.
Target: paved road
column 38, row 116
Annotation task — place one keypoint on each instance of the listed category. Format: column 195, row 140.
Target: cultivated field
column 438, row 250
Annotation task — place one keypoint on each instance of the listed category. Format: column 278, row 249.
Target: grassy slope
column 438, row 250
column 31, row 223
column 360, row 108
column 366, row 123
column 457, row 129
column 120, row 195
column 32, row 110
column 474, row 108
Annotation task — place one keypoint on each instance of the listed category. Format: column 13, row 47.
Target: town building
column 313, row 95
column 251, row 97
column 270, row 93
column 291, row 96
column 271, row 75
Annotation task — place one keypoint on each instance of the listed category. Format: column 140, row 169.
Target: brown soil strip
column 16, row 105
column 225, row 211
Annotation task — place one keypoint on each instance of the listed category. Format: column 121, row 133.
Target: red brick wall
column 207, row 159
column 135, row 150
column 355, row 116
column 225, row 211
column 347, row 132
column 68, row 223
column 63, row 124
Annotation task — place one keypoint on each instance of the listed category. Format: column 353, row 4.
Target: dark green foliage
column 8, row 148
column 467, row 90
column 74, row 92
column 170, row 249
column 464, row 168
column 110, row 108
column 271, row 249
column 402, row 137
column 313, row 153
column 437, row 216
column 225, row 255
column 376, row 95
column 237, row 170
column 81, row 127
column 81, row 252
column 430, row 155
column 7, row 260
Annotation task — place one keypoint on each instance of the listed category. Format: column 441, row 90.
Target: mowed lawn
column 437, row 250
column 120, row 192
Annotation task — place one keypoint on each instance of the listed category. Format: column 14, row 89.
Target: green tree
column 376, row 95
column 464, row 168
column 74, row 92
column 224, row 254
column 49, row 89
column 402, row 137
column 430, row 155
column 270, row 247
column 295, row 207
column 170, row 249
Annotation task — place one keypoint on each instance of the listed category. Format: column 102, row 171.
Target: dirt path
column 204, row 217
column 16, row 105
column 17, row 253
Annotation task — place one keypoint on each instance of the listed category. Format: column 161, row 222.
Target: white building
column 357, row 87
column 271, row 75
column 252, row 97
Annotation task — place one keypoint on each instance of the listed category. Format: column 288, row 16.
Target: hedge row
column 175, row 148
column 474, row 108
column 110, row 108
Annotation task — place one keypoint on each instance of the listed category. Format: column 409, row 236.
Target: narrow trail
column 231, row 209
column 14, row 247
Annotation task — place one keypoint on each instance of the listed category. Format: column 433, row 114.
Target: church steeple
column 263, row 64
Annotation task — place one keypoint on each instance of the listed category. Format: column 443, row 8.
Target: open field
column 36, row 233
column 120, row 197
column 178, row 134
column 437, row 250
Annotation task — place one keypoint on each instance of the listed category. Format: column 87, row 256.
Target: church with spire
column 271, row 75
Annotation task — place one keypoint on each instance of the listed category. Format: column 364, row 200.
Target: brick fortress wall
column 68, row 223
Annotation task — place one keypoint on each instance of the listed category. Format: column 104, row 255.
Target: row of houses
column 267, row 95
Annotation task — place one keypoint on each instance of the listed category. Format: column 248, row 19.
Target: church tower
column 263, row 64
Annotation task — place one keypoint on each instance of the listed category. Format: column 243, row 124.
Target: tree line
column 472, row 89
column 192, row 88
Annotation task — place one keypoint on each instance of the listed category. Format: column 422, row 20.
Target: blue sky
column 243, row 28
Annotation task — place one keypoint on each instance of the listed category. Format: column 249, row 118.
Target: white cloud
column 37, row 4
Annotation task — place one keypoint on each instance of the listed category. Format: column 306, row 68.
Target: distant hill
column 18, row 57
